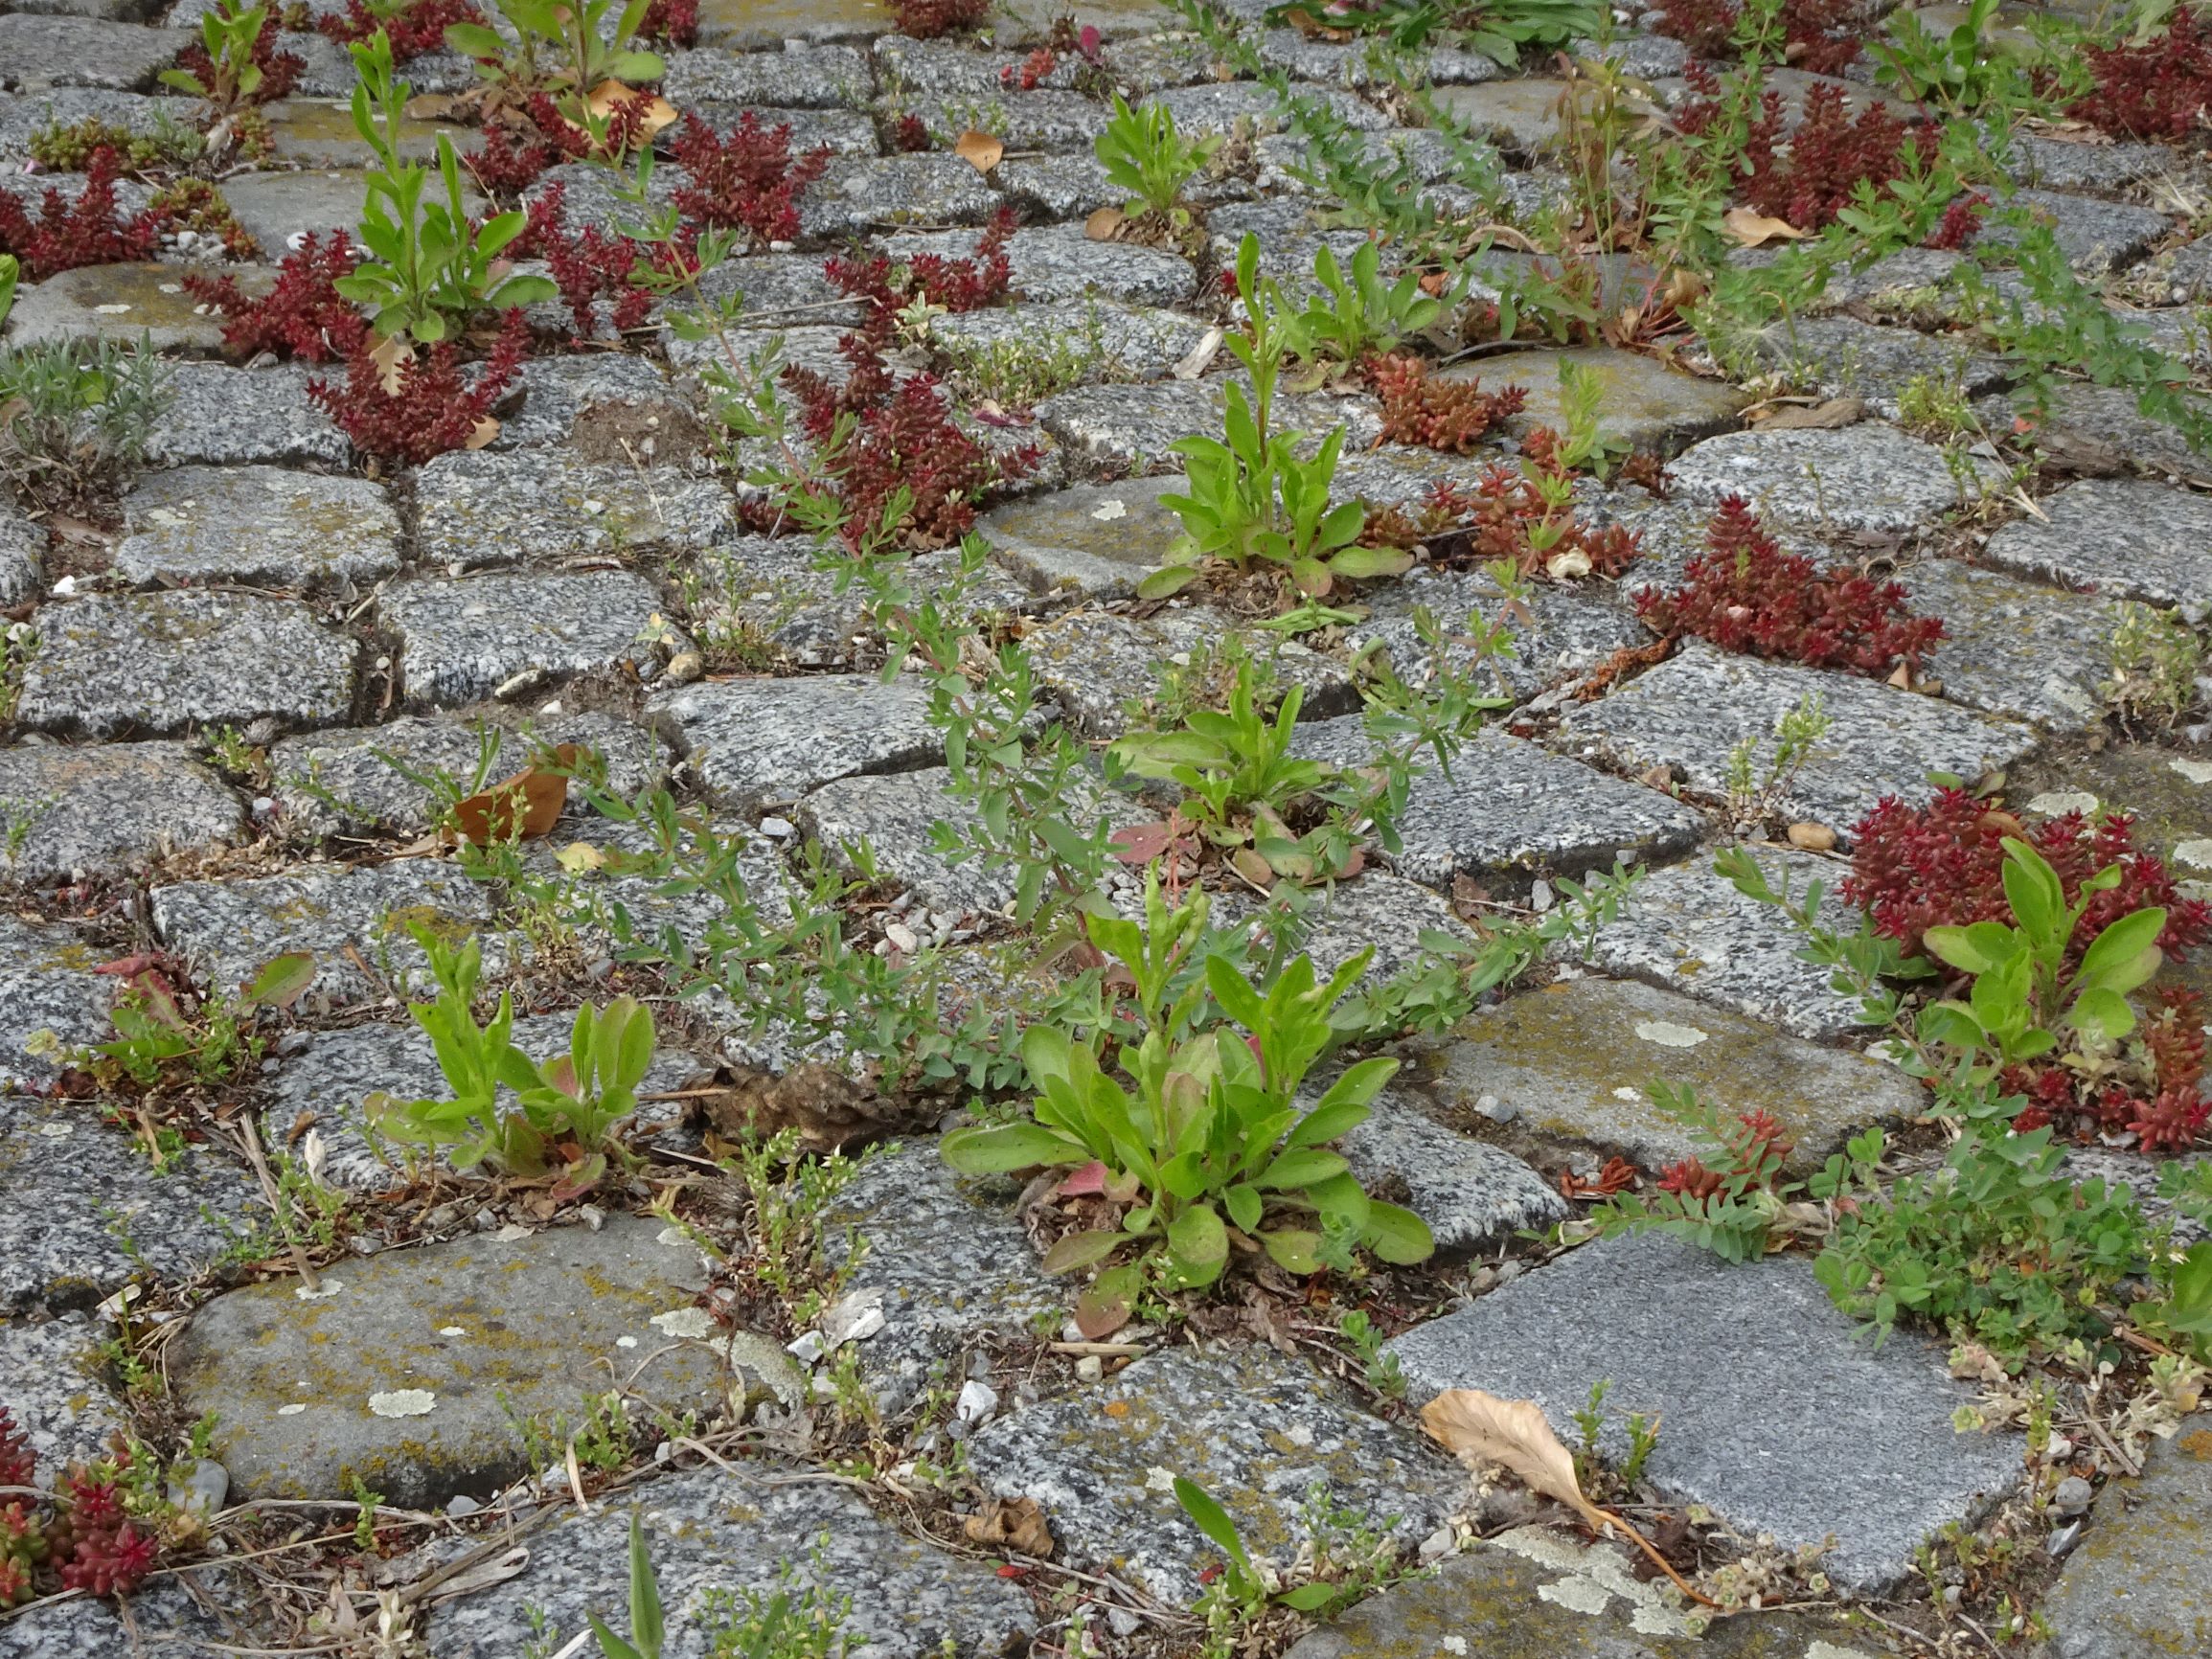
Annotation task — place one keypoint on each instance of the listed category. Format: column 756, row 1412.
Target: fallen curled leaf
column 1617, row 1177
column 1481, row 1429
column 1813, row 837
column 1901, row 676
column 1014, row 1524
column 1757, row 229
column 391, row 354
column 1105, row 224
column 608, row 96
column 434, row 106
column 482, row 433
column 1192, row 362
column 1828, row 416
column 578, row 857
column 1303, row 21
column 524, row 806
column 978, row 149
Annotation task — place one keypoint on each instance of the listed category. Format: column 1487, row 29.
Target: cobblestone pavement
column 248, row 679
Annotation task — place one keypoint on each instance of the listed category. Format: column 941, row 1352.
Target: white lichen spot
column 322, row 1292
column 292, row 1410
column 675, row 1236
column 1453, row 1643
column 1107, row 511
column 2197, row 854
column 1630, row 1093
column 1577, row 1595
column 1830, row 1650
column 1159, row 1480
column 114, row 311
column 625, row 1342
column 453, row 1330
column 2054, row 803
column 402, row 1403
column 1298, row 1434
column 2196, row 771
column 1667, row 1034
column 58, row 1131
column 696, row 1322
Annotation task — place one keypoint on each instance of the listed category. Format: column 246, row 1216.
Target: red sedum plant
column 416, row 30
column 1817, row 34
column 79, row 1536
column 749, row 181
column 938, row 280
column 302, row 317
column 69, row 235
column 926, row 19
column 1432, row 413
column 2158, row 89
column 432, row 408
column 1745, row 594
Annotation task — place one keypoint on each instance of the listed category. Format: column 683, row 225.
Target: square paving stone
column 1032, row 122
column 1256, row 1429
column 755, row 740
column 107, row 809
column 1114, row 342
column 22, row 557
column 463, row 640
column 257, row 526
column 1470, row 1192
column 2014, row 647
column 49, row 1378
column 47, row 984
column 115, row 664
column 1646, row 403
column 1520, row 114
column 1765, row 1390
column 2097, row 236
column 1864, row 477
column 1843, row 357
column 560, row 396
column 713, row 1532
column 748, row 25
column 946, row 1259
column 128, row 303
column 1098, row 661
column 484, row 1333
column 1561, row 632
column 1691, row 712
column 1134, row 425
column 40, row 52
column 482, row 508
column 277, row 208
column 2120, row 537
column 1536, row 1591
column 1379, row 912
column 895, row 817
column 327, row 1083
column 2139, row 1585
column 857, row 194
column 229, row 930
column 2102, row 418
column 1050, row 262
column 761, row 599
column 57, row 1628
column 91, row 1213
column 219, row 415
column 1572, row 1065
column 842, row 132
column 1219, row 106
column 1094, row 540
column 800, row 77
column 356, row 783
column 1687, row 929
column 1506, row 807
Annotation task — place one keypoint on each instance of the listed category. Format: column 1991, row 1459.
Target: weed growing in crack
column 1755, row 791
column 82, row 412
column 2155, row 658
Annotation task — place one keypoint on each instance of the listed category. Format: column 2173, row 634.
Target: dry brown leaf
column 1105, row 224
column 1194, row 362
column 1901, row 676
column 978, row 149
column 434, row 106
column 608, row 96
column 830, row 1110
column 482, row 433
column 1813, row 837
column 391, row 354
column 1017, row 1524
column 1819, row 418
column 528, row 804
column 1756, row 229
column 1480, row 1429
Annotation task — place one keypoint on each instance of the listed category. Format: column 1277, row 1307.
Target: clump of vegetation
column 101, row 1531
column 1143, row 157
column 749, row 181
column 927, row 19
column 908, row 294
column 82, row 412
column 1745, row 594
column 414, row 27
column 70, row 147
column 234, row 64
column 1432, row 413
column 2156, row 88
column 412, row 409
column 2156, row 658
column 88, row 231
column 302, row 317
column 1210, row 1133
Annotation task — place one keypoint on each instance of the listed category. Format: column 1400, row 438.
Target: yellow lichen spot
column 1117, row 1408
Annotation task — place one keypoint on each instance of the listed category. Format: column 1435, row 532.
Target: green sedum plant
column 1206, row 1131
column 1145, row 155
column 430, row 269
column 564, row 1111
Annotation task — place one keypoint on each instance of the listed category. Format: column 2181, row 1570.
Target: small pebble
column 976, row 1402
column 2072, row 1495
column 1090, row 1368
column 461, row 1505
